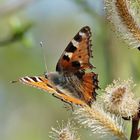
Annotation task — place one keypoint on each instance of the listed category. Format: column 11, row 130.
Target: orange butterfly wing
column 89, row 85
column 42, row 83
column 77, row 54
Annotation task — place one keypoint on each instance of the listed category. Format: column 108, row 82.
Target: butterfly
column 71, row 82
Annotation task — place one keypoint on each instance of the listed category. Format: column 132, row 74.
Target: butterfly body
column 67, row 84
column 71, row 82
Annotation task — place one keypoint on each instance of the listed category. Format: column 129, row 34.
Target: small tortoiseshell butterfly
column 71, row 82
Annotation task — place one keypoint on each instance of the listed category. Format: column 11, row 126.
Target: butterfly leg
column 68, row 106
column 63, row 101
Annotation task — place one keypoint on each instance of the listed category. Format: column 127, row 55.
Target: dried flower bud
column 119, row 99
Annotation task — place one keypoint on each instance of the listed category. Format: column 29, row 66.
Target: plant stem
column 134, row 131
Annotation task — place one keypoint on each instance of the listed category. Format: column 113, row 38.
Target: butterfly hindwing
column 77, row 54
column 88, row 85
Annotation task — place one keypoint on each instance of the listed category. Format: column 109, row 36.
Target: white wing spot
column 24, row 80
column 82, row 34
column 75, row 43
column 68, row 54
column 81, row 62
column 30, row 79
column 38, row 80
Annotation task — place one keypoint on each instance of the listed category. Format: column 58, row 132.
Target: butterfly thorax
column 69, row 83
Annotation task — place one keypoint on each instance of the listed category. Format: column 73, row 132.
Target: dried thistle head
column 119, row 99
column 64, row 132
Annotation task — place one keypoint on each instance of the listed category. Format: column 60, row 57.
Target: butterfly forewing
column 39, row 82
column 43, row 83
column 77, row 54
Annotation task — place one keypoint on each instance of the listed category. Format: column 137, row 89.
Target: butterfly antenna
column 44, row 58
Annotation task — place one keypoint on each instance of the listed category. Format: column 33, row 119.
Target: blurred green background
column 27, row 113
